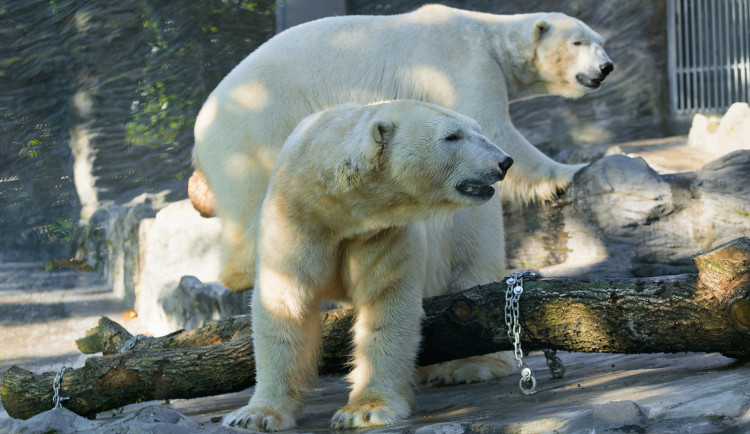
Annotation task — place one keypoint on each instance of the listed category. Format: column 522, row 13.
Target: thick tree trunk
column 706, row 312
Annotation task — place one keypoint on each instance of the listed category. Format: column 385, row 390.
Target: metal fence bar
column 743, row 24
column 708, row 54
column 721, row 83
column 728, row 54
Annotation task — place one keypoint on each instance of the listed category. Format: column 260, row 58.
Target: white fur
column 473, row 63
column 342, row 219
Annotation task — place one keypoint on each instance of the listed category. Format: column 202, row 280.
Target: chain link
column 555, row 365
column 57, row 399
column 512, row 296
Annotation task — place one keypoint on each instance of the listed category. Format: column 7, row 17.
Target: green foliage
column 189, row 54
column 42, row 141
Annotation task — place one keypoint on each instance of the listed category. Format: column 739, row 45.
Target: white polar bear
column 343, row 219
column 470, row 62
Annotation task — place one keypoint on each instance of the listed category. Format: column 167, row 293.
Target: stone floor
column 669, row 154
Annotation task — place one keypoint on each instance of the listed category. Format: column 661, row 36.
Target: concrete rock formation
column 619, row 218
column 722, row 134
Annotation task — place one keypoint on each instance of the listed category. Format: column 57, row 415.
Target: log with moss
column 704, row 312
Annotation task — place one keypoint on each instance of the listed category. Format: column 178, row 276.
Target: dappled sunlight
column 577, row 319
column 239, row 165
column 83, row 170
column 205, row 119
column 432, row 83
column 583, row 131
column 281, row 296
column 453, row 413
column 584, row 251
column 251, row 95
column 349, row 39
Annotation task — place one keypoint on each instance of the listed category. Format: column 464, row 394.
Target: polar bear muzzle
column 481, row 189
column 594, row 82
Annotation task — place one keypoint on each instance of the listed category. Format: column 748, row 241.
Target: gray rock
column 108, row 244
column 444, row 428
column 176, row 243
column 191, row 304
column 58, row 420
column 722, row 134
column 614, row 415
column 153, row 419
column 619, row 218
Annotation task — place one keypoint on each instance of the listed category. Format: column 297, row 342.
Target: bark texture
column 704, row 312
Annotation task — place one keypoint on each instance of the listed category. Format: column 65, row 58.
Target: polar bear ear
column 540, row 28
column 382, row 130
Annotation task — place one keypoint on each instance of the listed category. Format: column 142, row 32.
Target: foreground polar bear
column 343, row 218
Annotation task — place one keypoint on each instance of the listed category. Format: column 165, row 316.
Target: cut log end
column 724, row 263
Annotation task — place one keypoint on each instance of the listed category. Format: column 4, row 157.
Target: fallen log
column 704, row 312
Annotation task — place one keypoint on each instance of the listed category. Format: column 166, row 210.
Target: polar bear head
column 435, row 154
column 569, row 56
column 393, row 161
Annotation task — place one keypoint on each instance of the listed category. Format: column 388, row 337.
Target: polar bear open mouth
column 475, row 189
column 592, row 83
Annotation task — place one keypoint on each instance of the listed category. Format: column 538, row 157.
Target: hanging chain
column 57, row 399
column 512, row 295
column 555, row 365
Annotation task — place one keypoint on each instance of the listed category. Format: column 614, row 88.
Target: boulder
column 722, row 134
column 619, row 218
column 191, row 304
column 177, row 242
column 108, row 244
column 58, row 420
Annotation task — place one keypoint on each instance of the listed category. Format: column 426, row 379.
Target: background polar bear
column 343, row 219
column 473, row 63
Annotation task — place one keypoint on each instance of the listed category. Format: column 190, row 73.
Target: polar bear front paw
column 472, row 370
column 357, row 415
column 258, row 418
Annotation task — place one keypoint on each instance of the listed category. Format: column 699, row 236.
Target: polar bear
column 343, row 219
column 473, row 63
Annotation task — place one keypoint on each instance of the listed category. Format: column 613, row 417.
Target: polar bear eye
column 452, row 137
column 577, row 43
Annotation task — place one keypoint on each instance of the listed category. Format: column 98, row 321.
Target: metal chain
column 512, row 296
column 555, row 365
column 57, row 399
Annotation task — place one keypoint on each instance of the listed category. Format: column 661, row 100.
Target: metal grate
column 709, row 54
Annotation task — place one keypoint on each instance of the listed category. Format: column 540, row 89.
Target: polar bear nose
column 505, row 165
column 606, row 68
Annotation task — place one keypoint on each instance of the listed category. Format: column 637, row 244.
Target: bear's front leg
column 286, row 337
column 385, row 275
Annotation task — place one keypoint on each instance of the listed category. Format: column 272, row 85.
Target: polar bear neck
column 509, row 39
column 516, row 55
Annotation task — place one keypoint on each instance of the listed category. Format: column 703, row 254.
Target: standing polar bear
column 343, row 218
column 473, row 63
